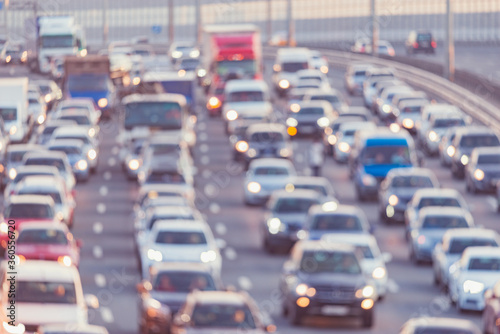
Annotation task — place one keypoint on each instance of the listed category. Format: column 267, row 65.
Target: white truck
column 53, row 37
column 14, row 108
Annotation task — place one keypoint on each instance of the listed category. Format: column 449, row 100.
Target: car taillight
column 434, row 44
column 362, row 49
column 415, row 45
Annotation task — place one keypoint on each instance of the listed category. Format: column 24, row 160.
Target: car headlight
column 208, row 256
column 92, row 154
column 295, row 107
column 473, row 287
column 231, row 115
column 176, row 54
column 394, row 127
column 292, row 122
column 433, row 136
column 284, row 153
column 102, row 103
column 292, row 131
column 450, row 151
column 301, row 289
column 369, row 180
column 323, row 122
column 201, row 73
column 284, row 84
column 12, row 173
column 386, row 108
column 65, row 260
column 194, row 54
column 40, row 119
column 155, row 255
column 366, row 292
column 241, row 146
column 329, row 206
column 91, row 132
column 379, row 273
column 393, row 200
column 464, row 159
column 408, row 123
column 251, row 153
column 344, row 147
column 133, row 164
column 254, row 187
column 4, row 228
column 82, row 165
column 421, row 240
column 332, row 140
column 213, row 103
column 324, row 69
column 13, row 130
column 274, row 225
column 155, row 309
column 136, row 81
column 478, row 174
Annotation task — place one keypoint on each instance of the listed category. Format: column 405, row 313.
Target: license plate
column 307, row 128
column 424, row 44
column 334, row 310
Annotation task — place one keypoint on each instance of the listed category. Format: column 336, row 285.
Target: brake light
column 415, row 45
column 434, row 44
column 362, row 49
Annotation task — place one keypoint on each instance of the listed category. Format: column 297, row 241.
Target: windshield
column 318, row 188
column 169, row 217
column 438, row 201
column 183, row 282
column 21, row 176
column 484, row 263
column 488, row 159
column 431, row 222
column 293, row 205
column 266, row 137
column 364, row 252
column 189, row 64
column 412, row 182
column 165, row 177
column 360, row 73
column 441, row 330
column 270, row 171
column 311, row 111
column 181, row 238
column 222, row 316
column 45, row 292
column 57, row 41
column 294, row 67
column 159, row 149
column 182, row 87
column 166, row 115
column 8, row 114
column 67, row 149
column 424, row 37
column 43, row 237
column 330, row 262
column 45, row 89
column 246, row 66
column 47, row 162
column 412, row 109
column 329, row 98
column 25, row 210
column 33, row 101
column 386, row 155
column 336, row 222
column 246, row 96
column 79, row 119
column 447, row 123
column 88, row 83
column 457, row 246
column 479, row 140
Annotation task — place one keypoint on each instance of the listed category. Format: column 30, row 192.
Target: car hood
column 331, row 279
column 41, row 313
column 249, row 108
column 381, row 170
column 185, row 253
column 287, row 218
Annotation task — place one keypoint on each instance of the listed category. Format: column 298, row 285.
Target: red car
column 23, row 208
column 48, row 241
column 491, row 313
column 216, row 99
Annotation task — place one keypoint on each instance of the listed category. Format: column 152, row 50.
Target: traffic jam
column 292, row 126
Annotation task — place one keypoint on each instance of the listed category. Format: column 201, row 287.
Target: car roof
column 238, row 85
column 314, row 104
column 266, row 127
column 349, row 238
column 296, row 193
column 47, row 271
column 158, row 76
column 412, row 171
column 470, row 233
column 24, row 147
column 440, row 211
column 72, row 130
column 37, row 168
column 341, row 209
column 384, row 133
column 475, row 130
column 30, row 199
column 322, row 91
column 174, row 210
column 313, row 180
column 72, row 112
column 309, row 71
column 367, row 125
column 270, row 162
column 45, row 154
column 60, row 122
column 164, row 139
column 322, row 245
column 481, row 251
column 437, row 192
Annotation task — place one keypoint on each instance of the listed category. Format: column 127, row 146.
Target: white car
column 345, row 138
column 37, row 109
column 477, row 270
column 314, row 75
column 428, row 111
column 373, row 261
column 438, row 124
column 47, row 292
column 288, row 62
column 84, row 104
column 81, row 133
column 264, row 176
column 454, row 242
column 319, row 62
column 354, row 77
column 181, row 241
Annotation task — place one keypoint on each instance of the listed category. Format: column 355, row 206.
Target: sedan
column 264, row 176
column 355, row 76
column 37, row 109
column 439, row 325
column 317, row 183
column 438, row 125
column 482, row 173
column 332, row 96
column 345, row 138
column 25, row 171
column 75, row 151
column 44, row 133
column 82, row 133
column 310, row 118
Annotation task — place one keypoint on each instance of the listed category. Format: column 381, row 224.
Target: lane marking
column 97, row 252
column 203, row 148
column 492, row 201
column 230, row 253
column 97, row 228
column 245, row 283
column 107, row 315
column 214, row 208
column 206, row 173
column 103, row 190
column 202, row 126
column 392, row 286
column 111, row 162
column 210, row 190
column 107, row 176
column 100, row 280
column 203, row 136
column 115, row 150
column 205, row 160
column 220, row 228
column 101, row 208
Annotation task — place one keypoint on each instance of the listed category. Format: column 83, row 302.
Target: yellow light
column 133, row 164
column 19, row 259
column 478, row 174
column 136, row 81
column 393, row 200
column 344, row 147
column 8, row 59
column 92, row 154
column 389, row 211
column 102, row 103
column 289, row 188
column 213, row 103
column 295, row 107
column 252, row 152
column 450, row 151
column 2, row 168
column 292, row 131
column 464, row 160
column 408, row 123
column 368, row 291
column 276, row 67
column 386, row 108
column 303, row 302
column 60, row 216
column 324, row 69
column 12, row 173
column 48, row 98
column 241, row 146
column 83, row 52
column 231, row 115
column 181, row 73
column 13, row 130
column 311, row 292
column 367, row 304
column 254, row 187
column 284, row 84
column 65, row 260
column 153, row 194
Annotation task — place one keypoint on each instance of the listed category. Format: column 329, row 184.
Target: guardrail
column 470, row 102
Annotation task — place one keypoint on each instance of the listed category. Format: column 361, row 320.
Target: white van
column 288, row 62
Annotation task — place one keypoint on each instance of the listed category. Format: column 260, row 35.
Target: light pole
column 449, row 70
column 105, row 27
column 375, row 28
column 269, row 27
column 198, row 23
column 290, row 24
column 170, row 21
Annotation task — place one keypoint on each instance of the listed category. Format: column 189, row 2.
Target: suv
column 420, row 41
column 322, row 278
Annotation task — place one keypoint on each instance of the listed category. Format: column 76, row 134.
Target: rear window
column 66, row 149
column 54, row 195
column 46, row 162
column 291, row 205
column 25, row 210
column 447, row 123
column 266, row 137
column 457, row 246
column 438, row 222
column 479, row 140
column 441, row 330
column 438, row 201
column 49, row 130
column 294, row 67
column 488, row 159
column 159, row 177
column 270, row 171
column 16, row 156
column 43, row 237
column 246, row 96
column 485, row 263
column 412, row 182
column 181, row 238
column 170, row 217
column 82, row 138
column 336, row 222
column 329, row 98
column 424, row 37
column 360, row 73
column 183, row 282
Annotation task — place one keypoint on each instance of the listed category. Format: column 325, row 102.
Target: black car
column 420, row 41
column 310, row 118
column 326, row 279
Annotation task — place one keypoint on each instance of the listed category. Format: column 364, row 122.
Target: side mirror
column 79, row 243
column 144, row 287
column 387, row 257
column 91, row 301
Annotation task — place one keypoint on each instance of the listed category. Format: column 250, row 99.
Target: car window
column 246, row 96
column 270, row 171
column 488, row 159
column 479, row 140
column 85, row 139
column 16, row 156
column 294, row 67
column 66, row 149
column 183, row 282
column 159, row 149
column 222, row 316
column 318, row 188
column 438, row 201
column 162, row 177
column 42, row 236
column 170, row 217
column 411, row 182
column 336, row 222
column 331, row 262
column 484, row 263
column 458, row 245
column 79, row 119
column 46, row 162
column 266, row 137
column 441, row 330
column 386, row 154
column 24, row 210
column 40, row 292
column 48, row 130
column 448, row 122
column 311, row 111
column 432, row 222
column 294, row 205
column 364, row 252
column 181, row 238
column 424, row 37
column 329, row 98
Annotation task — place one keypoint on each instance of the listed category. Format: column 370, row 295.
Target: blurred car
column 296, row 95
column 372, row 260
column 331, row 217
column 319, row 184
column 398, row 189
column 57, row 68
column 307, row 84
column 218, row 312
column 183, row 49
column 286, row 65
column 325, row 279
column 309, row 118
column 362, row 45
column 238, row 134
column 82, row 104
column 215, row 99
column 187, row 64
column 466, row 140
column 384, row 106
column 159, row 173
column 64, row 203
column 156, row 190
column 319, row 62
column 345, row 138
column 72, row 329
column 81, row 117
column 420, row 41
column 491, row 310
column 165, row 291
column 77, row 156
column 37, row 109
column 385, row 48
column 48, row 241
column 438, row 124
column 446, row 150
column 51, row 92
column 14, row 157
column 453, row 244
column 429, row 197
column 439, row 325
column 25, row 171
column 482, row 173
column 264, row 176
column 44, row 133
column 477, row 271
column 332, row 96
column 354, row 77
column 409, row 113
column 130, row 155
column 184, row 241
column 14, row 54
column 432, row 224
column 373, row 76
column 315, row 75
column 330, row 135
column 418, row 97
column 429, row 111
column 49, row 293
column 53, row 158
column 264, row 140
column 25, row 208
column 287, row 211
